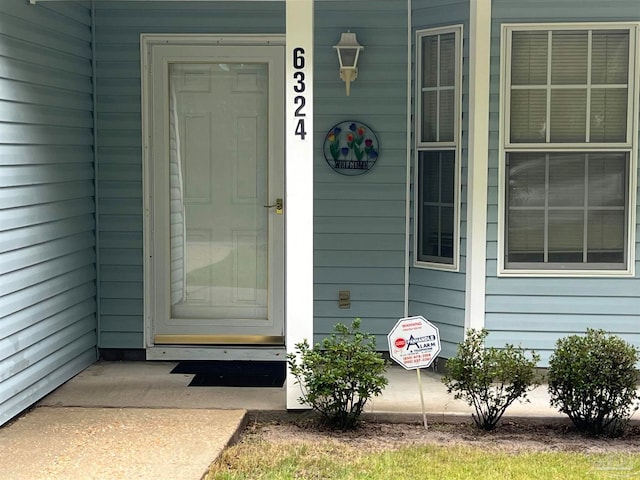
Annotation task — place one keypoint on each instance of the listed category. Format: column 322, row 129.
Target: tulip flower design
column 334, row 142
column 369, row 149
column 354, row 140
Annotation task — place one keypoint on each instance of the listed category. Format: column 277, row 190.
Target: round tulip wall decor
column 351, row 148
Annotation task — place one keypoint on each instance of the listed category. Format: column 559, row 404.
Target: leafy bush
column 592, row 379
column 489, row 379
column 340, row 375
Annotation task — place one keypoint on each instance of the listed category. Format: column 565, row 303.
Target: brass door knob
column 278, row 206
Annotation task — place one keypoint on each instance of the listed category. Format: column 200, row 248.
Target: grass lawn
column 256, row 459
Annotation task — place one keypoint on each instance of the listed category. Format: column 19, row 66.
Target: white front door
column 216, row 167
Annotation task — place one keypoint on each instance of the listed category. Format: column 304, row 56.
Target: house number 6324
column 299, row 88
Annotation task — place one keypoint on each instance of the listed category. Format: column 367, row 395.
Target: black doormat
column 234, row 373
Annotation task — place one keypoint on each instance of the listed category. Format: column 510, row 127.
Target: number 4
column 300, row 130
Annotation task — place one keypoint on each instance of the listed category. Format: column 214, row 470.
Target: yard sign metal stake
column 424, row 413
column 414, row 343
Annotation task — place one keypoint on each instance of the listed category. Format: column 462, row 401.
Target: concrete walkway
column 115, row 443
column 120, row 420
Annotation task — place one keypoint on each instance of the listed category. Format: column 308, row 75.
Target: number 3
column 300, row 87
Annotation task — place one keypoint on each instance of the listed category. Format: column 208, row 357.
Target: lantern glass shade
column 348, row 50
column 348, row 57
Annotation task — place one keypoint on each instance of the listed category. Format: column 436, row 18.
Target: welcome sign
column 351, row 148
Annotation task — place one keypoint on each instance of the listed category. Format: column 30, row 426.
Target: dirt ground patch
column 509, row 436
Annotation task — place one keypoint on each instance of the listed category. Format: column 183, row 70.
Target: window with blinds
column 569, row 146
column 438, row 68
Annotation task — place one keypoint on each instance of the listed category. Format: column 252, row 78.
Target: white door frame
column 183, row 352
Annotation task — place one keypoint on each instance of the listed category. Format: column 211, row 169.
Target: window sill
column 502, row 272
column 437, row 266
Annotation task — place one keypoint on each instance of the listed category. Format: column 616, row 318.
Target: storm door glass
column 218, row 151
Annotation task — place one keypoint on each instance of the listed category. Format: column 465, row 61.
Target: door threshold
column 180, row 339
column 244, row 352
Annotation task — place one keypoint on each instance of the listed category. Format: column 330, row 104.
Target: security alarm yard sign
column 414, row 342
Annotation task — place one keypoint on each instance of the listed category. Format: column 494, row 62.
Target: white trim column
column 479, row 78
column 299, row 182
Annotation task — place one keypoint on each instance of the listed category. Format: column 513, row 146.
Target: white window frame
column 630, row 146
column 454, row 145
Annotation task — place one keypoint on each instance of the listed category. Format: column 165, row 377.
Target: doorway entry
column 215, row 171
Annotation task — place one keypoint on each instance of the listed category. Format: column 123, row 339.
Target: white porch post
column 479, row 64
column 299, row 182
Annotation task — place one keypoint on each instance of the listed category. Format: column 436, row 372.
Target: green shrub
column 340, row 375
column 592, row 379
column 489, row 379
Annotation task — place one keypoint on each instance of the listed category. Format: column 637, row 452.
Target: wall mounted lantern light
column 348, row 52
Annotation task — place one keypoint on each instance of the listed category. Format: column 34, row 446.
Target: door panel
column 218, row 160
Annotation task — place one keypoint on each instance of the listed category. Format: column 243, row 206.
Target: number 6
column 298, row 58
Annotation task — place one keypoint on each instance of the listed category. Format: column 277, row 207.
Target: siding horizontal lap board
column 567, row 322
column 75, row 228
column 47, row 241
column 35, row 333
column 47, row 308
column 40, row 114
column 359, row 258
column 30, row 194
column 537, row 311
column 360, row 225
column 24, row 277
column 367, row 275
column 46, row 289
column 35, row 214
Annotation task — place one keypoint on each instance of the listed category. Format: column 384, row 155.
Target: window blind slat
column 528, row 116
column 607, row 179
column 529, row 58
column 430, row 116
column 569, row 58
column 447, row 60
column 526, row 236
column 608, row 115
column 566, row 236
column 567, row 181
column 447, row 116
column 606, row 235
column 610, row 57
column 568, row 116
column 526, row 180
column 430, row 61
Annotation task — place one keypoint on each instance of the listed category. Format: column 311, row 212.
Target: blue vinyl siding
column 47, row 241
column 118, row 29
column 537, row 311
column 440, row 295
column 359, row 220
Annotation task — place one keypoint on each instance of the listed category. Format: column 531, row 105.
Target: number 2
column 300, row 100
